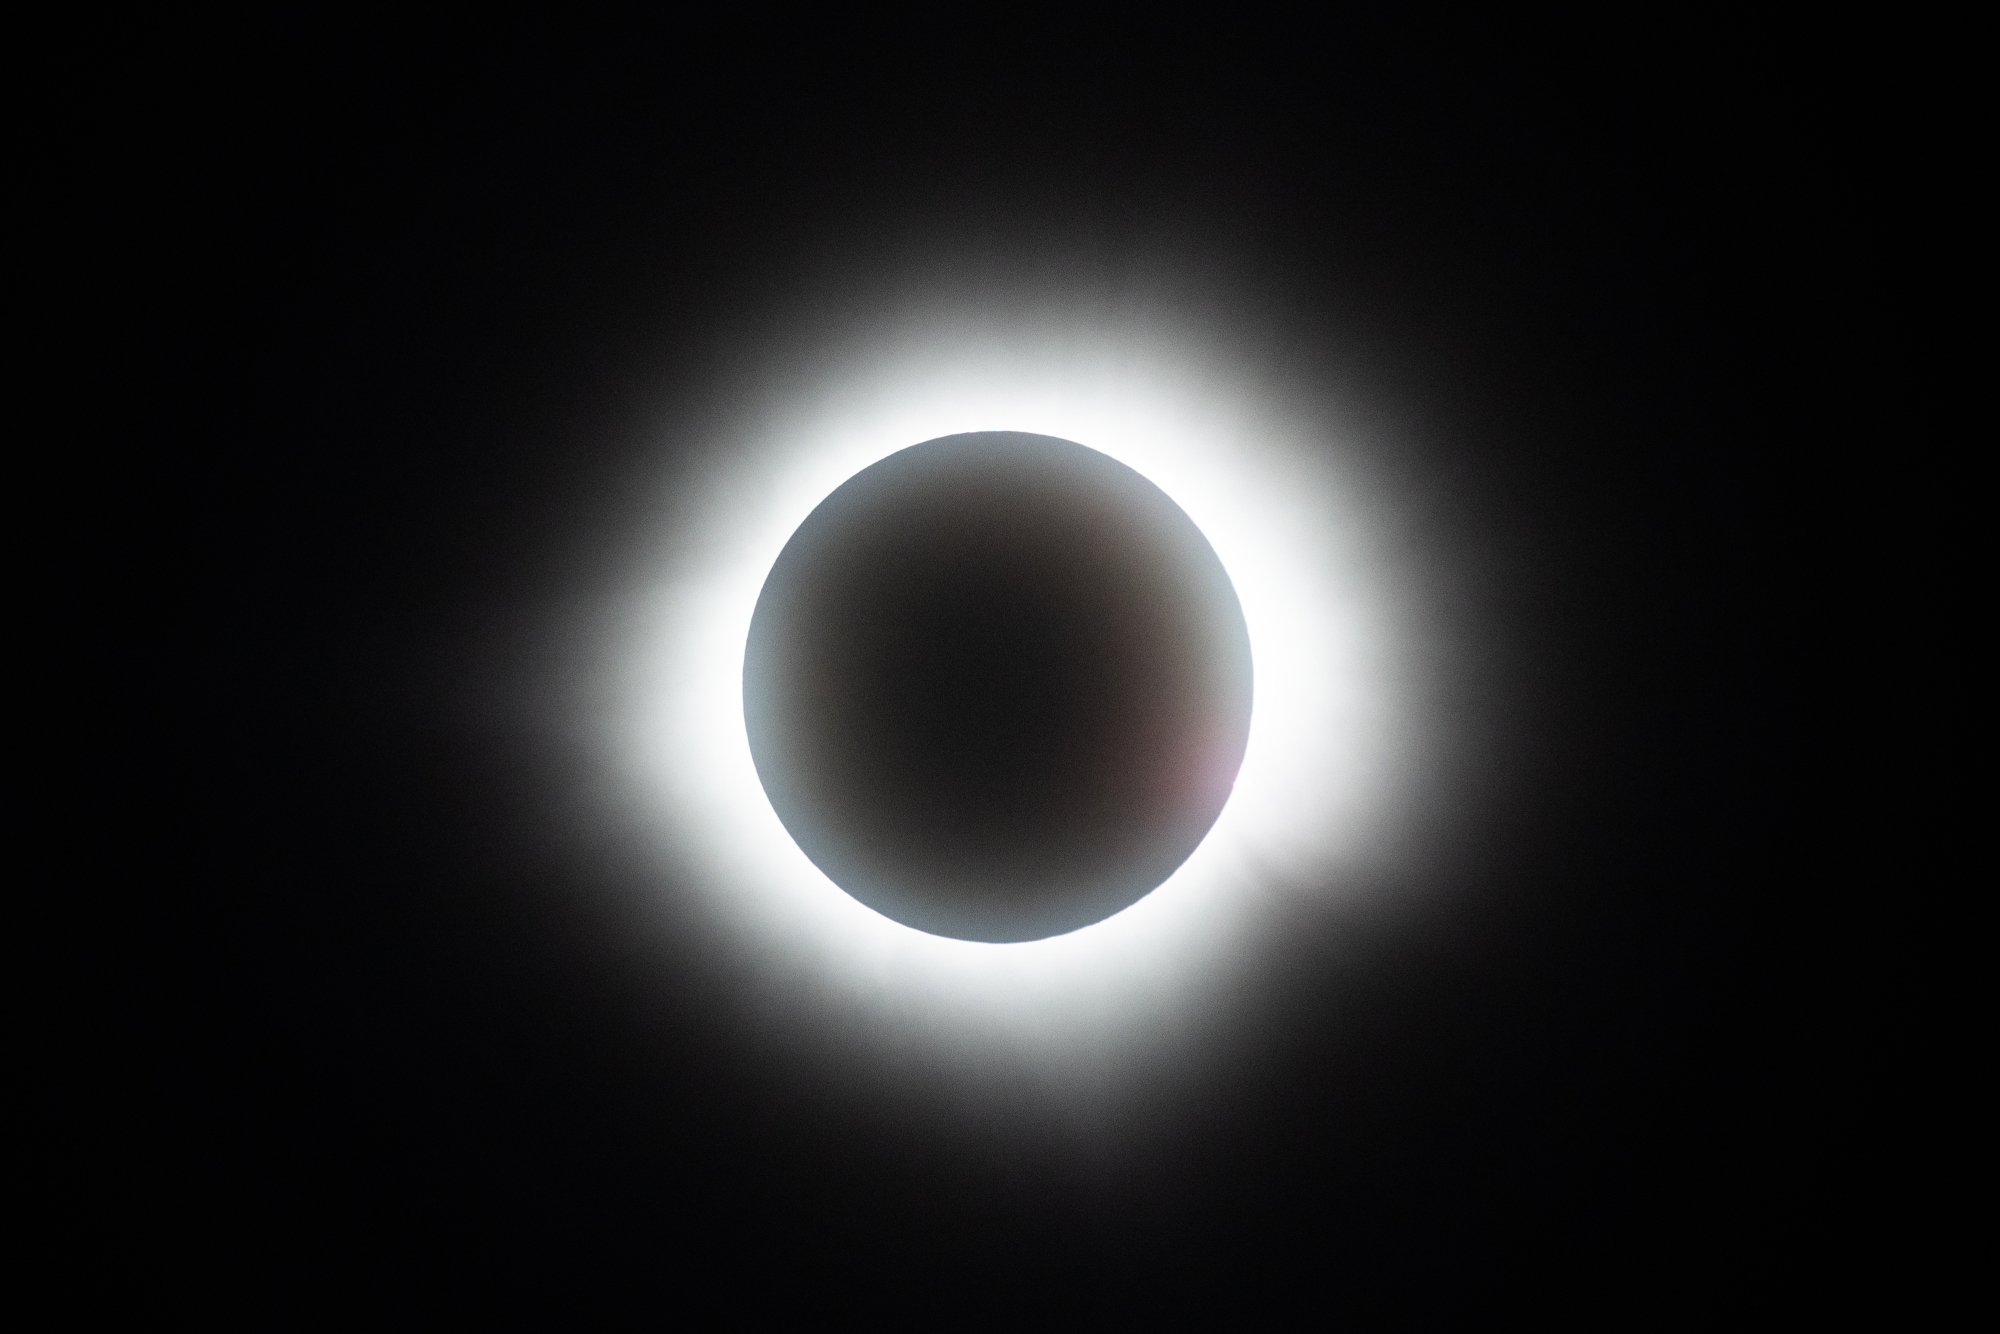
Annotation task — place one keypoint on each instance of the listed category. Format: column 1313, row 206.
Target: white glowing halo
column 1258, row 480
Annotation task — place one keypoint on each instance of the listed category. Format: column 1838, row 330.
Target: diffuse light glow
column 1258, row 474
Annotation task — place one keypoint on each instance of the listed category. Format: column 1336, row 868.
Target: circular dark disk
column 997, row 686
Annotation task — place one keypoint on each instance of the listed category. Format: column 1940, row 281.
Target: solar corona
column 1005, row 685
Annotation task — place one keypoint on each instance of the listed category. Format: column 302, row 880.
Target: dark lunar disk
column 997, row 686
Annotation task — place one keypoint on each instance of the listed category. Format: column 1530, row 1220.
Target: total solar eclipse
column 997, row 686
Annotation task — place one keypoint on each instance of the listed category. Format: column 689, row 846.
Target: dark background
column 361, row 309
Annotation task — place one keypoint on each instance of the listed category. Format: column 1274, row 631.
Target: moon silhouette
column 997, row 686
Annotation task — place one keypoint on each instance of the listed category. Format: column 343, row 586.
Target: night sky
column 377, row 1002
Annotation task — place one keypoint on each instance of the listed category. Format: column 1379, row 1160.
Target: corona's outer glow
column 1258, row 473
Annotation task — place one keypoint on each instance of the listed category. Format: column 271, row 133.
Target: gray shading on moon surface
column 997, row 686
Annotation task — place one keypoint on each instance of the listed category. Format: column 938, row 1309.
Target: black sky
column 370, row 318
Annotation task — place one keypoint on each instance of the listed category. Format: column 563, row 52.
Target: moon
column 997, row 686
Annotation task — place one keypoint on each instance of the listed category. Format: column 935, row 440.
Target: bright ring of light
column 1258, row 475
